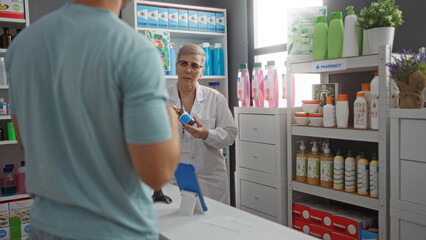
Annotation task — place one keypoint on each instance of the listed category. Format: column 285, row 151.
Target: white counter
column 175, row 226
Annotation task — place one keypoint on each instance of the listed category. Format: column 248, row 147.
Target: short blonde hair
column 189, row 49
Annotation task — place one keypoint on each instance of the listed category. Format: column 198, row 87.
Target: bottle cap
column 374, row 157
column 158, row 36
column 314, row 147
column 258, row 65
column 360, row 94
column 338, row 153
column 218, row 45
column 205, row 44
column 243, row 66
column 326, row 148
column 342, row 97
column 10, row 125
column 322, row 19
column 376, row 73
column 362, row 155
column 349, row 153
column 214, row 83
column 329, row 100
column 301, row 114
column 271, row 63
column 302, row 145
column 336, row 15
column 350, row 10
column 365, row 87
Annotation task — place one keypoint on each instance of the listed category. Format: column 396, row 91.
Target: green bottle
column 335, row 36
column 11, row 131
column 320, row 38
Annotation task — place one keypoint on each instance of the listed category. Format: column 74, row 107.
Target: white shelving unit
column 180, row 37
column 380, row 137
column 14, row 197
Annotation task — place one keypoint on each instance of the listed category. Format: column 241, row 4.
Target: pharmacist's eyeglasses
column 194, row 66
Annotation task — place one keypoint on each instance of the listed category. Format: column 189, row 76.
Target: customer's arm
column 17, row 134
column 156, row 163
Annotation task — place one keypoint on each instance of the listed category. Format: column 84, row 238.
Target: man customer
column 214, row 128
column 88, row 102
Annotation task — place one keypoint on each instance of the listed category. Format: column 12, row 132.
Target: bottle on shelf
column 208, row 65
column 3, row 76
column 329, row 113
column 271, row 85
column 350, row 40
column 302, row 163
column 3, row 107
column 258, row 86
column 20, row 181
column 314, row 165
column 374, row 176
column 360, row 111
column 365, row 88
column 5, row 38
column 320, row 39
column 218, row 60
column 338, row 171
column 8, row 181
column 326, row 162
column 374, row 115
column 350, row 173
column 11, row 131
column 335, row 36
column 342, row 111
column 358, row 157
column 243, row 86
column 363, row 180
column 172, row 60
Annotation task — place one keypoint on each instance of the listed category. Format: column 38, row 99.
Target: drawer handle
column 255, row 157
column 255, row 129
column 256, row 197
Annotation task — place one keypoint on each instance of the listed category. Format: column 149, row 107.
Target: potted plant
column 379, row 20
column 409, row 71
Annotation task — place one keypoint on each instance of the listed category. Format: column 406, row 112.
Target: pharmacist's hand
column 200, row 131
column 177, row 110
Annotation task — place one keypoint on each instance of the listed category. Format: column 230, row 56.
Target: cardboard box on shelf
column 301, row 226
column 320, row 232
column 339, row 236
column 19, row 231
column 352, row 224
column 5, row 233
column 12, row 9
column 4, row 215
column 19, row 211
column 301, row 211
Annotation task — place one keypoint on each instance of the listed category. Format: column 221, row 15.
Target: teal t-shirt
column 82, row 85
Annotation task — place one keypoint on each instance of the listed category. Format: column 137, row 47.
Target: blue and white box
column 211, row 22
column 202, row 21
column 173, row 18
column 152, row 17
column 183, row 19
column 220, row 22
column 142, row 12
column 163, row 17
column 192, row 20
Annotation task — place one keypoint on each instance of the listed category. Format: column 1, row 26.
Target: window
column 268, row 41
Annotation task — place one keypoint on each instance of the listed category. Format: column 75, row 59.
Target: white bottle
column 363, row 179
column 342, row 111
column 360, row 111
column 374, row 177
column 3, row 77
column 374, row 112
column 367, row 95
column 329, row 113
column 394, row 97
column 350, row 40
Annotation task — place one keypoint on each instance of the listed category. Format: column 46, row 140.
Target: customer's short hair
column 189, row 49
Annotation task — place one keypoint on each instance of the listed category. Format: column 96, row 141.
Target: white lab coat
column 211, row 109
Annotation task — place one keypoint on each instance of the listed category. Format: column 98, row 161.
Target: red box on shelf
column 321, row 232
column 301, row 212
column 353, row 223
column 342, row 237
column 321, row 217
column 301, row 226
column 12, row 9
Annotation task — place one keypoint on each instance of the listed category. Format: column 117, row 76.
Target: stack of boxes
column 15, row 219
column 12, row 9
column 183, row 19
column 326, row 221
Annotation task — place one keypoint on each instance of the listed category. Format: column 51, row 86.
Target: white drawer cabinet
column 408, row 168
column 261, row 179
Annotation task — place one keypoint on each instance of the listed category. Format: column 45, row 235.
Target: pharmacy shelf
column 408, row 113
column 174, row 77
column 185, row 33
column 7, row 142
column 14, row 197
column 4, row 86
column 341, row 196
column 353, row 64
column 350, row 134
column 6, row 117
column 14, row 23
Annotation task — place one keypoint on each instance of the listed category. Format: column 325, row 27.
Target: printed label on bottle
column 255, row 87
column 374, row 183
column 360, row 115
column 326, row 170
column 301, row 166
column 269, row 84
column 313, row 168
column 363, row 179
column 143, row 14
column 338, row 179
column 374, row 106
column 240, row 88
column 350, row 175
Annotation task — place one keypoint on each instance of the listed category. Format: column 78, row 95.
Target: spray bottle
column 326, row 162
column 302, row 163
column 314, row 165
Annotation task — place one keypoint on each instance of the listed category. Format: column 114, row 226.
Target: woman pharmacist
column 214, row 126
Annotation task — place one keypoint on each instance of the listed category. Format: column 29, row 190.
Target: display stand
column 190, row 203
